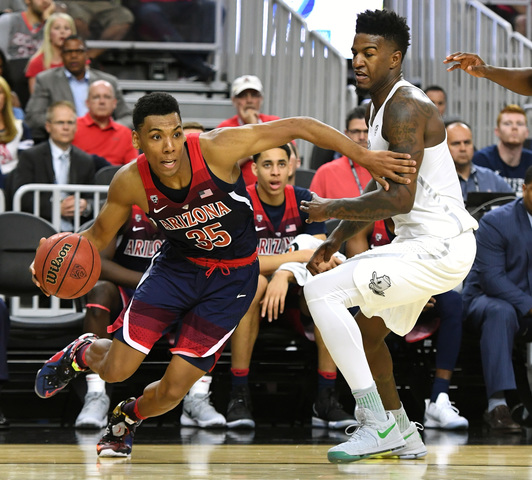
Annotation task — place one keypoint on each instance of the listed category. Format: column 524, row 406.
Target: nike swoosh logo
column 157, row 210
column 409, row 435
column 258, row 229
column 240, row 295
column 386, row 432
column 136, row 229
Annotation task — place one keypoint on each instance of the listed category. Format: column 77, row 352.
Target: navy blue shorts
column 199, row 313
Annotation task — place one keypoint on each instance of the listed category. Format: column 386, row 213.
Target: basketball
column 67, row 265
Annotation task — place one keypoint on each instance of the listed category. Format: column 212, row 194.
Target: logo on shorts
column 378, row 284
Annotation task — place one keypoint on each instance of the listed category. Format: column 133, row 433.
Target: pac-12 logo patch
column 379, row 284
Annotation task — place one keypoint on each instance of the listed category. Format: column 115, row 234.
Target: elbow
column 404, row 207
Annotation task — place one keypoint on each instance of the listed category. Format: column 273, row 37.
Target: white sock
column 403, row 422
column 95, row 383
column 202, row 386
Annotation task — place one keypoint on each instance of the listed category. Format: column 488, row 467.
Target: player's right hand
column 468, row 62
column 32, row 269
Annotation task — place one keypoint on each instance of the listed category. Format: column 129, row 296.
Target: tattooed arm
column 410, row 125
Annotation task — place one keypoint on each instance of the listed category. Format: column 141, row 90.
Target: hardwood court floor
column 278, row 453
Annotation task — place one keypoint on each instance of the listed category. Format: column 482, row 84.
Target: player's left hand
column 322, row 255
column 316, row 209
column 274, row 299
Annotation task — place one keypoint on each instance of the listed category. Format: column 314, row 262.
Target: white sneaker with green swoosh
column 414, row 446
column 369, row 439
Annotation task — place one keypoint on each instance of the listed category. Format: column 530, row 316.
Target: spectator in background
column 11, row 133
column 343, row 177
column 111, row 19
column 167, row 20
column 498, row 298
column 124, row 261
column 57, row 28
column 4, row 72
column 4, row 373
column 97, row 133
column 508, row 157
column 193, row 127
column 278, row 221
column 21, row 34
column 438, row 97
column 56, row 161
column 70, row 82
column 473, row 178
column 295, row 162
column 247, row 95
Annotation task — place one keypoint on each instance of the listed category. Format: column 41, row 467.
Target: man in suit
column 56, row 161
column 498, row 297
column 70, row 82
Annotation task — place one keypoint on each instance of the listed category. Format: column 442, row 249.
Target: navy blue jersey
column 214, row 220
column 277, row 226
column 136, row 244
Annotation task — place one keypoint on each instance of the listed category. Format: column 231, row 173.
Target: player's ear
column 135, row 139
column 254, row 168
column 397, row 58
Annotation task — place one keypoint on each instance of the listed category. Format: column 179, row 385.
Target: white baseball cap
column 246, row 82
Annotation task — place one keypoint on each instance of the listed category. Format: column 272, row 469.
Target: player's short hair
column 386, row 24
column 512, row 108
column 156, row 103
column 286, row 148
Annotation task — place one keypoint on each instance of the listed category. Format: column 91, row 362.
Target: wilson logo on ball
column 78, row 272
column 56, row 263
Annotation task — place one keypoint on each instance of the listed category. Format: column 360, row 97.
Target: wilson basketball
column 67, row 265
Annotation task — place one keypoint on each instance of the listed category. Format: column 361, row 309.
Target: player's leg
column 239, row 409
column 374, row 331
column 328, row 297
column 157, row 398
column 103, row 303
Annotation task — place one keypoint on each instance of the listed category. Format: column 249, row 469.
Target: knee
column 171, row 393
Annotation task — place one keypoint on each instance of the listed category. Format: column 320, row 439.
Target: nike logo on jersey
column 386, row 432
column 258, row 229
column 240, row 295
column 136, row 229
column 157, row 210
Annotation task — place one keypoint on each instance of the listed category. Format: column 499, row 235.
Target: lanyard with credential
column 355, row 174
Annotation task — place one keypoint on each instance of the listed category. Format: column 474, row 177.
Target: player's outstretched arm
column 518, row 80
column 229, row 144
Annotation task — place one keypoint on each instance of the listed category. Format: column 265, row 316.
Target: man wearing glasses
column 70, row 82
column 343, row 177
column 56, row 161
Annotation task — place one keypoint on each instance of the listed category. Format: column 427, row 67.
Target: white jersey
column 438, row 209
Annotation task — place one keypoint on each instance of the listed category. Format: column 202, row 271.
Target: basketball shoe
column 94, row 411
column 198, row 411
column 371, row 438
column 239, row 409
column 414, row 446
column 61, row 368
column 118, row 438
column 328, row 411
column 441, row 414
